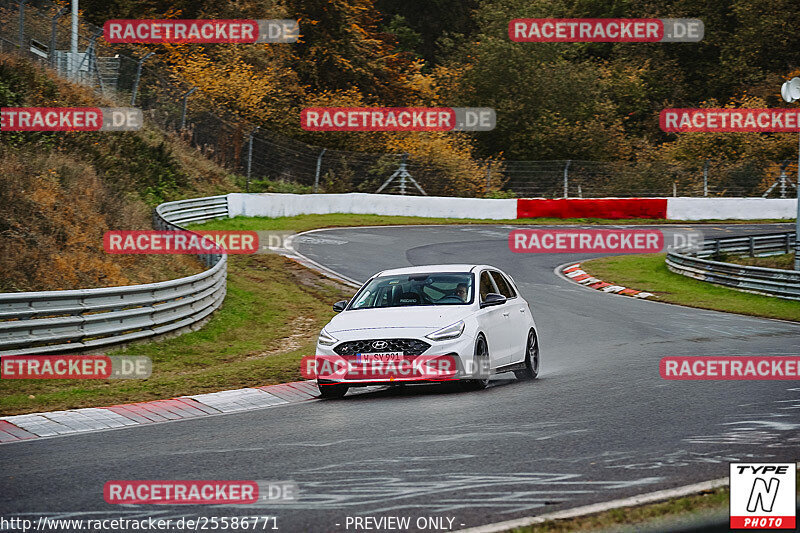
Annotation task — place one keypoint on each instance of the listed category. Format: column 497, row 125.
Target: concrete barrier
column 730, row 208
column 286, row 205
column 611, row 208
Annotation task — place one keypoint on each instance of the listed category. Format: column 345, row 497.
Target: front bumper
column 459, row 349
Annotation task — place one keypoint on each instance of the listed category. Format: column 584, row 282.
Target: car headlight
column 452, row 331
column 326, row 339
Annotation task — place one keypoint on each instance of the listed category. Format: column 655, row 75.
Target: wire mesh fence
column 41, row 30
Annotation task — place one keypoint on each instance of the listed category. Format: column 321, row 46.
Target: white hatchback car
column 473, row 314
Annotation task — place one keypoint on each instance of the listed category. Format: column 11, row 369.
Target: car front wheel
column 480, row 366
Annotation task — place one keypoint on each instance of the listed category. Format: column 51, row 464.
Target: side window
column 504, row 286
column 486, row 285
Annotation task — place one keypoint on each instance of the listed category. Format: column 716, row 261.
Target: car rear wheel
column 531, row 369
column 331, row 391
column 480, row 366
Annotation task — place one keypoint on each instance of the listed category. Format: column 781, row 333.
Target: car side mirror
column 493, row 299
column 340, row 305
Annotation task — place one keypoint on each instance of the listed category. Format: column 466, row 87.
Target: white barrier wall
column 730, row 208
column 287, row 205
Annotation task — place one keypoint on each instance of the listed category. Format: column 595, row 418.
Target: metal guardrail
column 769, row 281
column 59, row 321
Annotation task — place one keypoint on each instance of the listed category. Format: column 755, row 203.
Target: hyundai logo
column 380, row 345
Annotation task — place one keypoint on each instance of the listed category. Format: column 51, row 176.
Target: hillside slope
column 61, row 191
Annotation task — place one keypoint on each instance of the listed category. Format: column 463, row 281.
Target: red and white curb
column 574, row 273
column 36, row 425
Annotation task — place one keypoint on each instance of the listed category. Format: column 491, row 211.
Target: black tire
column 332, row 391
column 531, row 369
column 480, row 360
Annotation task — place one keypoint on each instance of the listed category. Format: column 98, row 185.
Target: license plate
column 383, row 357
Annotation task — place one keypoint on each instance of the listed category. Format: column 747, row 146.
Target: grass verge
column 308, row 222
column 715, row 500
column 675, row 514
column 272, row 313
column 650, row 273
column 782, row 261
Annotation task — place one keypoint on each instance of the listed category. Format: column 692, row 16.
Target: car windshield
column 416, row 289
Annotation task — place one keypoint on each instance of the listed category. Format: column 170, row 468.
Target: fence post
column 784, row 164
column 797, row 216
column 250, row 158
column 488, row 175
column 73, row 57
column 138, row 76
column 53, row 33
column 183, row 110
column 21, row 24
column 402, row 173
column 319, row 165
column 93, row 59
column 674, row 190
column 705, row 178
column 566, row 178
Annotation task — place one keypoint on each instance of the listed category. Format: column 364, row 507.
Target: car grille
column 407, row 346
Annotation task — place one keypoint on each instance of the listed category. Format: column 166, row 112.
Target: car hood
column 429, row 318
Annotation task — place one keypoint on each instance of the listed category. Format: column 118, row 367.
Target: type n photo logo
column 763, row 495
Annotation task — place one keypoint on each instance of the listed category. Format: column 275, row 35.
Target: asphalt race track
column 599, row 423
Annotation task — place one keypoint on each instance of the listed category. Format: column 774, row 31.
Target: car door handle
column 521, row 310
column 505, row 314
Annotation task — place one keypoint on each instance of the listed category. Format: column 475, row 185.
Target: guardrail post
column 716, row 249
column 788, row 243
column 752, row 246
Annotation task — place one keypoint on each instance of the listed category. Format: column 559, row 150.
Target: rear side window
column 503, row 286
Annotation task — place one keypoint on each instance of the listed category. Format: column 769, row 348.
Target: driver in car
column 462, row 291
